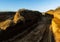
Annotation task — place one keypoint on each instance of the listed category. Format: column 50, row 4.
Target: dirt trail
column 37, row 34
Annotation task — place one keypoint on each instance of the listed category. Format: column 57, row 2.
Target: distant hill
column 6, row 15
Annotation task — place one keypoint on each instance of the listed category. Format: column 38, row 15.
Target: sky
column 39, row 5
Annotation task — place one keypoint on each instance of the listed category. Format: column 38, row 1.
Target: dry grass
column 56, row 30
column 18, row 17
column 50, row 12
column 56, row 23
column 5, row 24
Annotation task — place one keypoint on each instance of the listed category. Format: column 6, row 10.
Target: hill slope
column 56, row 23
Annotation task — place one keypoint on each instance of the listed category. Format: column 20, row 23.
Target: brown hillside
column 50, row 12
column 56, row 23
